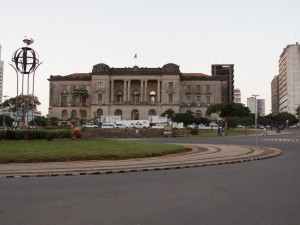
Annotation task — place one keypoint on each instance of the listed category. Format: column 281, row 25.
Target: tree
column 228, row 111
column 8, row 120
column 169, row 113
column 185, row 118
column 39, row 121
column 284, row 118
column 53, row 121
column 81, row 93
column 21, row 104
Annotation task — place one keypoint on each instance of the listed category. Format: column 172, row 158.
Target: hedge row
column 34, row 134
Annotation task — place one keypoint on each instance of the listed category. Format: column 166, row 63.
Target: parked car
column 90, row 125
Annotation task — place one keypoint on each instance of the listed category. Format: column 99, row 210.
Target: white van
column 158, row 126
column 108, row 125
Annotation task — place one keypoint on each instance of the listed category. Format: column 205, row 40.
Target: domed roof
column 100, row 68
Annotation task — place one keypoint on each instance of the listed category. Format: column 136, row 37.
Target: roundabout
column 200, row 155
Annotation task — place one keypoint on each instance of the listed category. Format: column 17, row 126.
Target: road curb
column 267, row 154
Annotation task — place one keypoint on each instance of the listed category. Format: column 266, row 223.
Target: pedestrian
column 219, row 131
column 265, row 132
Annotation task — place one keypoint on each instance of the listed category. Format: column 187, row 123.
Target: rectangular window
column 100, row 86
column 188, row 87
column 64, row 99
column 198, row 99
column 64, row 88
column 74, row 100
column 74, row 87
column 83, row 87
column 170, row 98
column 170, row 86
column 208, row 99
column 99, row 98
column 188, row 99
column 207, row 88
column 198, row 88
column 83, row 100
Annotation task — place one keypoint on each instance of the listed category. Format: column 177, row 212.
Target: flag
column 135, row 56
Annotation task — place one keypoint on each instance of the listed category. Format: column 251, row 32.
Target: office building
column 237, row 96
column 1, row 77
column 260, row 104
column 289, row 79
column 275, row 95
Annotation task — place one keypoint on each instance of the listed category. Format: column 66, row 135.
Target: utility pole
column 255, row 105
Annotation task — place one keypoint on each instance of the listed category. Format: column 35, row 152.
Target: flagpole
column 135, row 59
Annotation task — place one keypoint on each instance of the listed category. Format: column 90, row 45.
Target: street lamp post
column 255, row 105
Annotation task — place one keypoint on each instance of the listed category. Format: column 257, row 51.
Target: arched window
column 198, row 114
column 118, row 112
column 136, row 96
column 74, row 114
column 152, row 96
column 64, row 114
column 119, row 96
column 135, row 114
column 152, row 112
column 83, row 113
column 99, row 112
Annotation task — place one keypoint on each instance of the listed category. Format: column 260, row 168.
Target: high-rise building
column 289, row 79
column 275, row 95
column 1, row 76
column 225, row 72
column 260, row 104
column 237, row 96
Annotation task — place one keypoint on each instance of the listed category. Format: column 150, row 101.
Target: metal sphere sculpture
column 25, row 60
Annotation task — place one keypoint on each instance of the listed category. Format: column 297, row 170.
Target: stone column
column 125, row 91
column 128, row 91
column 141, row 93
column 146, row 96
column 158, row 90
column 112, row 91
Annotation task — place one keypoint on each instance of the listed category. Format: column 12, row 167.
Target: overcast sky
column 71, row 36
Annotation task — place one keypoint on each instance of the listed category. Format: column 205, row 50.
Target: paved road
column 262, row 192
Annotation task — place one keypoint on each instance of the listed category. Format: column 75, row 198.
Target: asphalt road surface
column 265, row 192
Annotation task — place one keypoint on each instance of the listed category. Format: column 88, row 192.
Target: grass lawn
column 67, row 150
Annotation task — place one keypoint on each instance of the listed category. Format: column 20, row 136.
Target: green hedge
column 34, row 134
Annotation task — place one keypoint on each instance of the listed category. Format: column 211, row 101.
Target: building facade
column 135, row 93
column 1, row 76
column 289, row 79
column 275, row 95
column 237, row 96
column 260, row 104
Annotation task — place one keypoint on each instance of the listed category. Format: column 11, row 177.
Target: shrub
column 194, row 131
column 76, row 134
column 34, row 134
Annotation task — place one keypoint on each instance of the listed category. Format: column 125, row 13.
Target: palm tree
column 80, row 93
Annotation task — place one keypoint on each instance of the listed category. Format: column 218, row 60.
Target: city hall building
column 136, row 93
